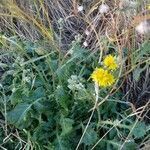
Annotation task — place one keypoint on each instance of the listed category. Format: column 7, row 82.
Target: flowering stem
column 95, row 106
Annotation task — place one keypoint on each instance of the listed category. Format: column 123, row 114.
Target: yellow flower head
column 110, row 62
column 102, row 77
column 148, row 6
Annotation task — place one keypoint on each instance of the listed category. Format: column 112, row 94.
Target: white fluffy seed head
column 80, row 8
column 87, row 32
column 143, row 28
column 104, row 8
column 85, row 43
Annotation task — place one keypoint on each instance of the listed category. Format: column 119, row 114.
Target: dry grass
column 36, row 19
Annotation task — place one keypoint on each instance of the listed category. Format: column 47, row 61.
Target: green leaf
column 131, row 145
column 34, row 95
column 42, row 133
column 38, row 82
column 38, row 93
column 64, row 71
column 142, row 52
column 16, row 97
column 137, row 72
column 66, row 125
column 3, row 65
column 77, row 53
column 62, row 97
column 18, row 115
column 140, row 130
column 62, row 144
column 90, row 136
column 112, row 134
column 53, row 64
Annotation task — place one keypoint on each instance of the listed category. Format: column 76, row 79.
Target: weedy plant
column 48, row 101
column 70, row 82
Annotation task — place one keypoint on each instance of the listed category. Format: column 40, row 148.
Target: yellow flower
column 102, row 77
column 110, row 62
column 148, row 6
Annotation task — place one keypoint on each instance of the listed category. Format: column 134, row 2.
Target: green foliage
column 66, row 125
column 49, row 97
column 18, row 116
column 139, row 130
column 90, row 136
